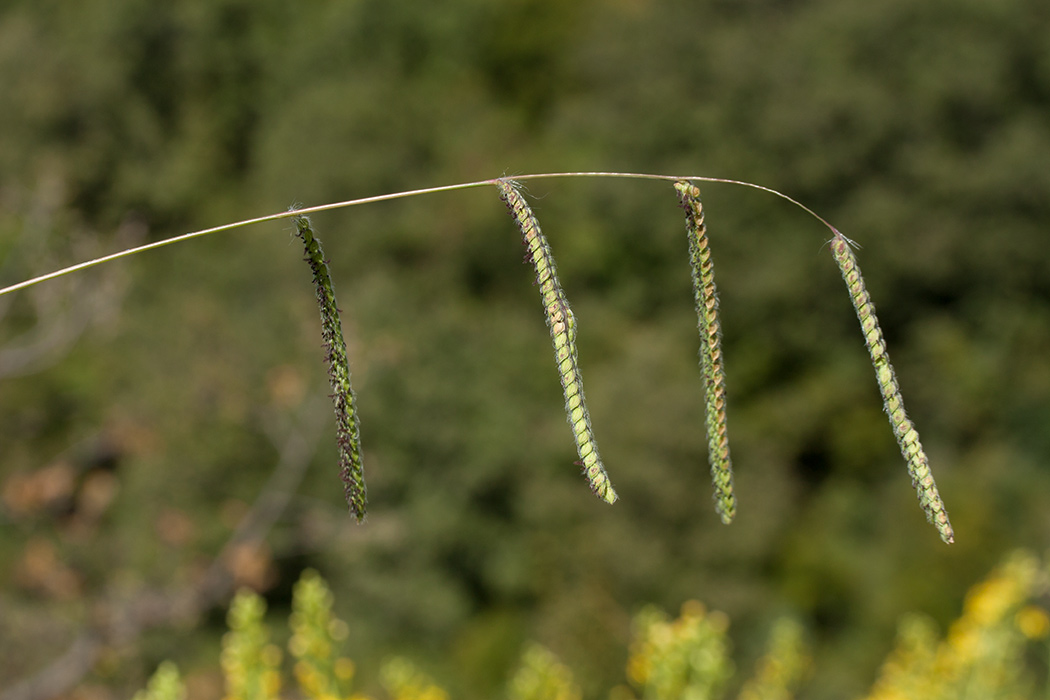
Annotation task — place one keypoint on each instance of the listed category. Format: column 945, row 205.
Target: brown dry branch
column 64, row 312
column 121, row 618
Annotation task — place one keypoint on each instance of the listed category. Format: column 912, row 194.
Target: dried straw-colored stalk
column 348, row 428
column 711, row 362
column 903, row 429
column 562, row 326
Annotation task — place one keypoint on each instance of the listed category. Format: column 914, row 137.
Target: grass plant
column 563, row 328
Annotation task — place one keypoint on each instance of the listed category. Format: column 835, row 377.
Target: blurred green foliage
column 922, row 130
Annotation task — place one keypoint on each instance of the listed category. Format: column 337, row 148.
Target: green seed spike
column 562, row 325
column 348, row 428
column 903, row 429
column 711, row 363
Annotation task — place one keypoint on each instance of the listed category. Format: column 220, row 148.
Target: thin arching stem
column 675, row 178
column 384, row 197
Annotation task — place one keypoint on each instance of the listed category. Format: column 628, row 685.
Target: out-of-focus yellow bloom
column 315, row 636
column 685, row 657
column 344, row 669
column 782, row 668
column 542, row 677
column 338, row 630
column 982, row 655
column 250, row 663
column 165, row 684
column 692, row 610
column 1033, row 622
column 983, row 651
column 403, row 681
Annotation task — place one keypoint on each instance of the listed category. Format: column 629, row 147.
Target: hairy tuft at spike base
column 903, row 429
column 348, row 428
column 562, row 325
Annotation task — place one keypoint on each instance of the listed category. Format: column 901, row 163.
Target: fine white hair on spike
column 711, row 363
column 903, row 428
column 563, row 330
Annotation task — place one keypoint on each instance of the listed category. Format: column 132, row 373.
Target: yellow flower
column 344, row 668
column 1033, row 622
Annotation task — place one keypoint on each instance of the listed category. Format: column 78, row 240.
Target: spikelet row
column 562, row 326
column 563, row 329
column 903, row 429
column 348, row 429
column 711, row 363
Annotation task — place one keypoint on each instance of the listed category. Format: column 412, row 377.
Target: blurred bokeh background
column 165, row 431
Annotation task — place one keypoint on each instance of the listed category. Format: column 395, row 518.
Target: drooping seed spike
column 563, row 329
column 713, row 371
column 903, row 429
column 348, row 428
